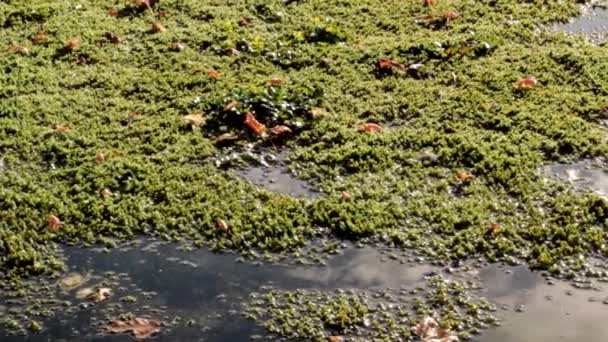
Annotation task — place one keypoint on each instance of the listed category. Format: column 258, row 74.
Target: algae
column 95, row 134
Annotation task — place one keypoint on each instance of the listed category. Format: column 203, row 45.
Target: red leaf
column 525, row 83
column 385, row 63
column 275, row 81
column 280, row 130
column 429, row 3
column 256, row 126
column 451, row 15
column 213, row 73
column 54, row 223
column 370, row 127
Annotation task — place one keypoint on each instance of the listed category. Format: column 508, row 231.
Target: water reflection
column 201, row 293
column 582, row 175
column 593, row 22
column 279, row 180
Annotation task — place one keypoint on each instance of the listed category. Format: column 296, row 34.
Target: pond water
column 199, row 293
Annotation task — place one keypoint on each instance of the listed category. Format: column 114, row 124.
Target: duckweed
column 106, row 117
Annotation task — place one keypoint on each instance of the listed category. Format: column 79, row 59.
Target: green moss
column 124, row 105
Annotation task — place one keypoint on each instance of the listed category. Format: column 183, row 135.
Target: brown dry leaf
column 275, row 81
column 176, row 47
column 231, row 105
column 451, row 15
column 370, row 127
column 60, row 129
column 54, row 223
column 429, row 331
column 105, row 193
column 221, row 225
column 213, row 73
column 140, row 328
column 336, row 339
column 256, row 126
column 345, row 196
column 72, row 44
column 72, row 281
column 158, row 28
column 385, row 63
column 100, row 157
column 525, row 83
column 429, row 3
column 84, row 293
column 113, row 37
column 280, row 130
column 113, row 12
column 464, row 176
column 39, row 38
column 194, row 120
column 226, row 139
column 20, row 49
column 101, row 294
column 494, row 228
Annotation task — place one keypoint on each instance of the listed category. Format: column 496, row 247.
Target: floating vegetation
column 384, row 315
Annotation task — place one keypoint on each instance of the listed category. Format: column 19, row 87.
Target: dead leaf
column 231, row 105
column 20, row 49
column 221, row 225
column 194, row 120
column 370, row 127
column 245, row 21
column 105, row 193
column 345, row 196
column 72, row 281
column 494, row 228
column 429, row 3
column 100, row 157
column 100, row 294
column 280, row 130
column 213, row 73
column 256, row 126
column 176, row 47
column 525, row 83
column 39, row 38
column 226, row 139
column 84, row 293
column 140, row 328
column 429, row 331
column 113, row 37
column 158, row 28
column 464, row 176
column 451, row 15
column 60, row 129
column 385, row 63
column 336, row 339
column 275, row 81
column 113, row 12
column 72, row 44
column 54, row 223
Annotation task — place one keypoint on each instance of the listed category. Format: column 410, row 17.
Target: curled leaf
column 370, row 127
column 275, row 81
column 38, row 39
column 494, row 228
column 525, row 83
column 158, row 28
column 140, row 328
column 194, row 120
column 213, row 73
column 451, row 15
column 464, row 176
column 345, row 196
column 71, row 44
column 336, row 339
column 221, row 225
column 256, row 126
column 231, row 105
column 385, row 63
column 429, row 3
column 280, row 130
column 105, row 193
column 54, row 223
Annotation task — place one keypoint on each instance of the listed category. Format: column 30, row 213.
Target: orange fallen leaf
column 345, row 196
column 54, row 223
column 465, row 176
column 336, row 339
column 525, row 83
column 213, row 73
column 385, row 63
column 494, row 228
column 60, row 129
column 256, row 126
column 113, row 12
column 245, row 21
column 429, row 3
column 20, row 49
column 158, row 28
column 370, row 127
column 140, row 328
column 451, row 15
column 221, row 225
column 275, row 81
column 162, row 13
column 231, row 105
column 176, row 47
column 72, row 44
column 39, row 38
column 280, row 130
